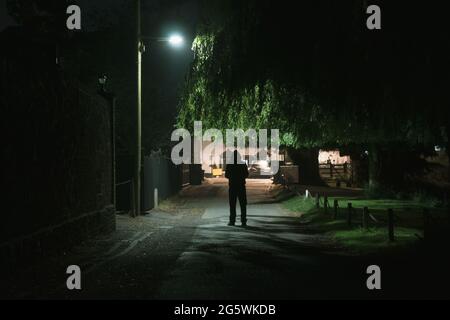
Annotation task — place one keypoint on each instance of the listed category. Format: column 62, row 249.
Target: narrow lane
column 271, row 258
column 189, row 252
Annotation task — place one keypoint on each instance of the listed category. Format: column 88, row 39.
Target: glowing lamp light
column 176, row 40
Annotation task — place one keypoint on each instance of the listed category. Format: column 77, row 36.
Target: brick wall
column 56, row 154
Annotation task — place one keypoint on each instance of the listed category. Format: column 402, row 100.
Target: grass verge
column 408, row 222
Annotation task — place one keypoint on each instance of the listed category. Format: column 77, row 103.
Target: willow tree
column 314, row 71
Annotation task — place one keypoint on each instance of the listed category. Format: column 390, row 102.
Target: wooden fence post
column 391, row 224
column 336, row 206
column 426, row 223
column 365, row 218
column 132, row 205
column 349, row 214
column 445, row 202
column 325, row 203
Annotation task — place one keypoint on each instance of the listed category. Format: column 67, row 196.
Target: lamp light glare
column 176, row 40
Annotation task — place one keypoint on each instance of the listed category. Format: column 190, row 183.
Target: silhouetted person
column 236, row 174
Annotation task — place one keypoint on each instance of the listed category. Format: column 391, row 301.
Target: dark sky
column 164, row 68
column 108, row 8
column 159, row 18
column 5, row 19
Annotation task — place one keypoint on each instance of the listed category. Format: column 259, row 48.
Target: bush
column 378, row 192
column 426, row 199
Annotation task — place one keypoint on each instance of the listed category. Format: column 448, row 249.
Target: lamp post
column 137, row 171
column 174, row 40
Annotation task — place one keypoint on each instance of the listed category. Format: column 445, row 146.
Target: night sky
column 163, row 67
column 5, row 19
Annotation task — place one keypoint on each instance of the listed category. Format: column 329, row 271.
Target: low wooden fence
column 434, row 224
column 338, row 173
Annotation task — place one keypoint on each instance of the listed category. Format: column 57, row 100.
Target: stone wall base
column 56, row 239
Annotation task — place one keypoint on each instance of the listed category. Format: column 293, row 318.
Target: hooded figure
column 236, row 173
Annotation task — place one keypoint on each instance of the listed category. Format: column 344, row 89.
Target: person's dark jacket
column 236, row 174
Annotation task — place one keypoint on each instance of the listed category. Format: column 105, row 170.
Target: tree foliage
column 313, row 70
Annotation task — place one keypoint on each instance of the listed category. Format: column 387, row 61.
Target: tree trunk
column 390, row 165
column 308, row 165
column 447, row 149
column 359, row 164
column 375, row 167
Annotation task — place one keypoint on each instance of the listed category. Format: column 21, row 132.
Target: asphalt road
column 188, row 252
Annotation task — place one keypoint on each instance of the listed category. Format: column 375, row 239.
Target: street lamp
column 175, row 40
